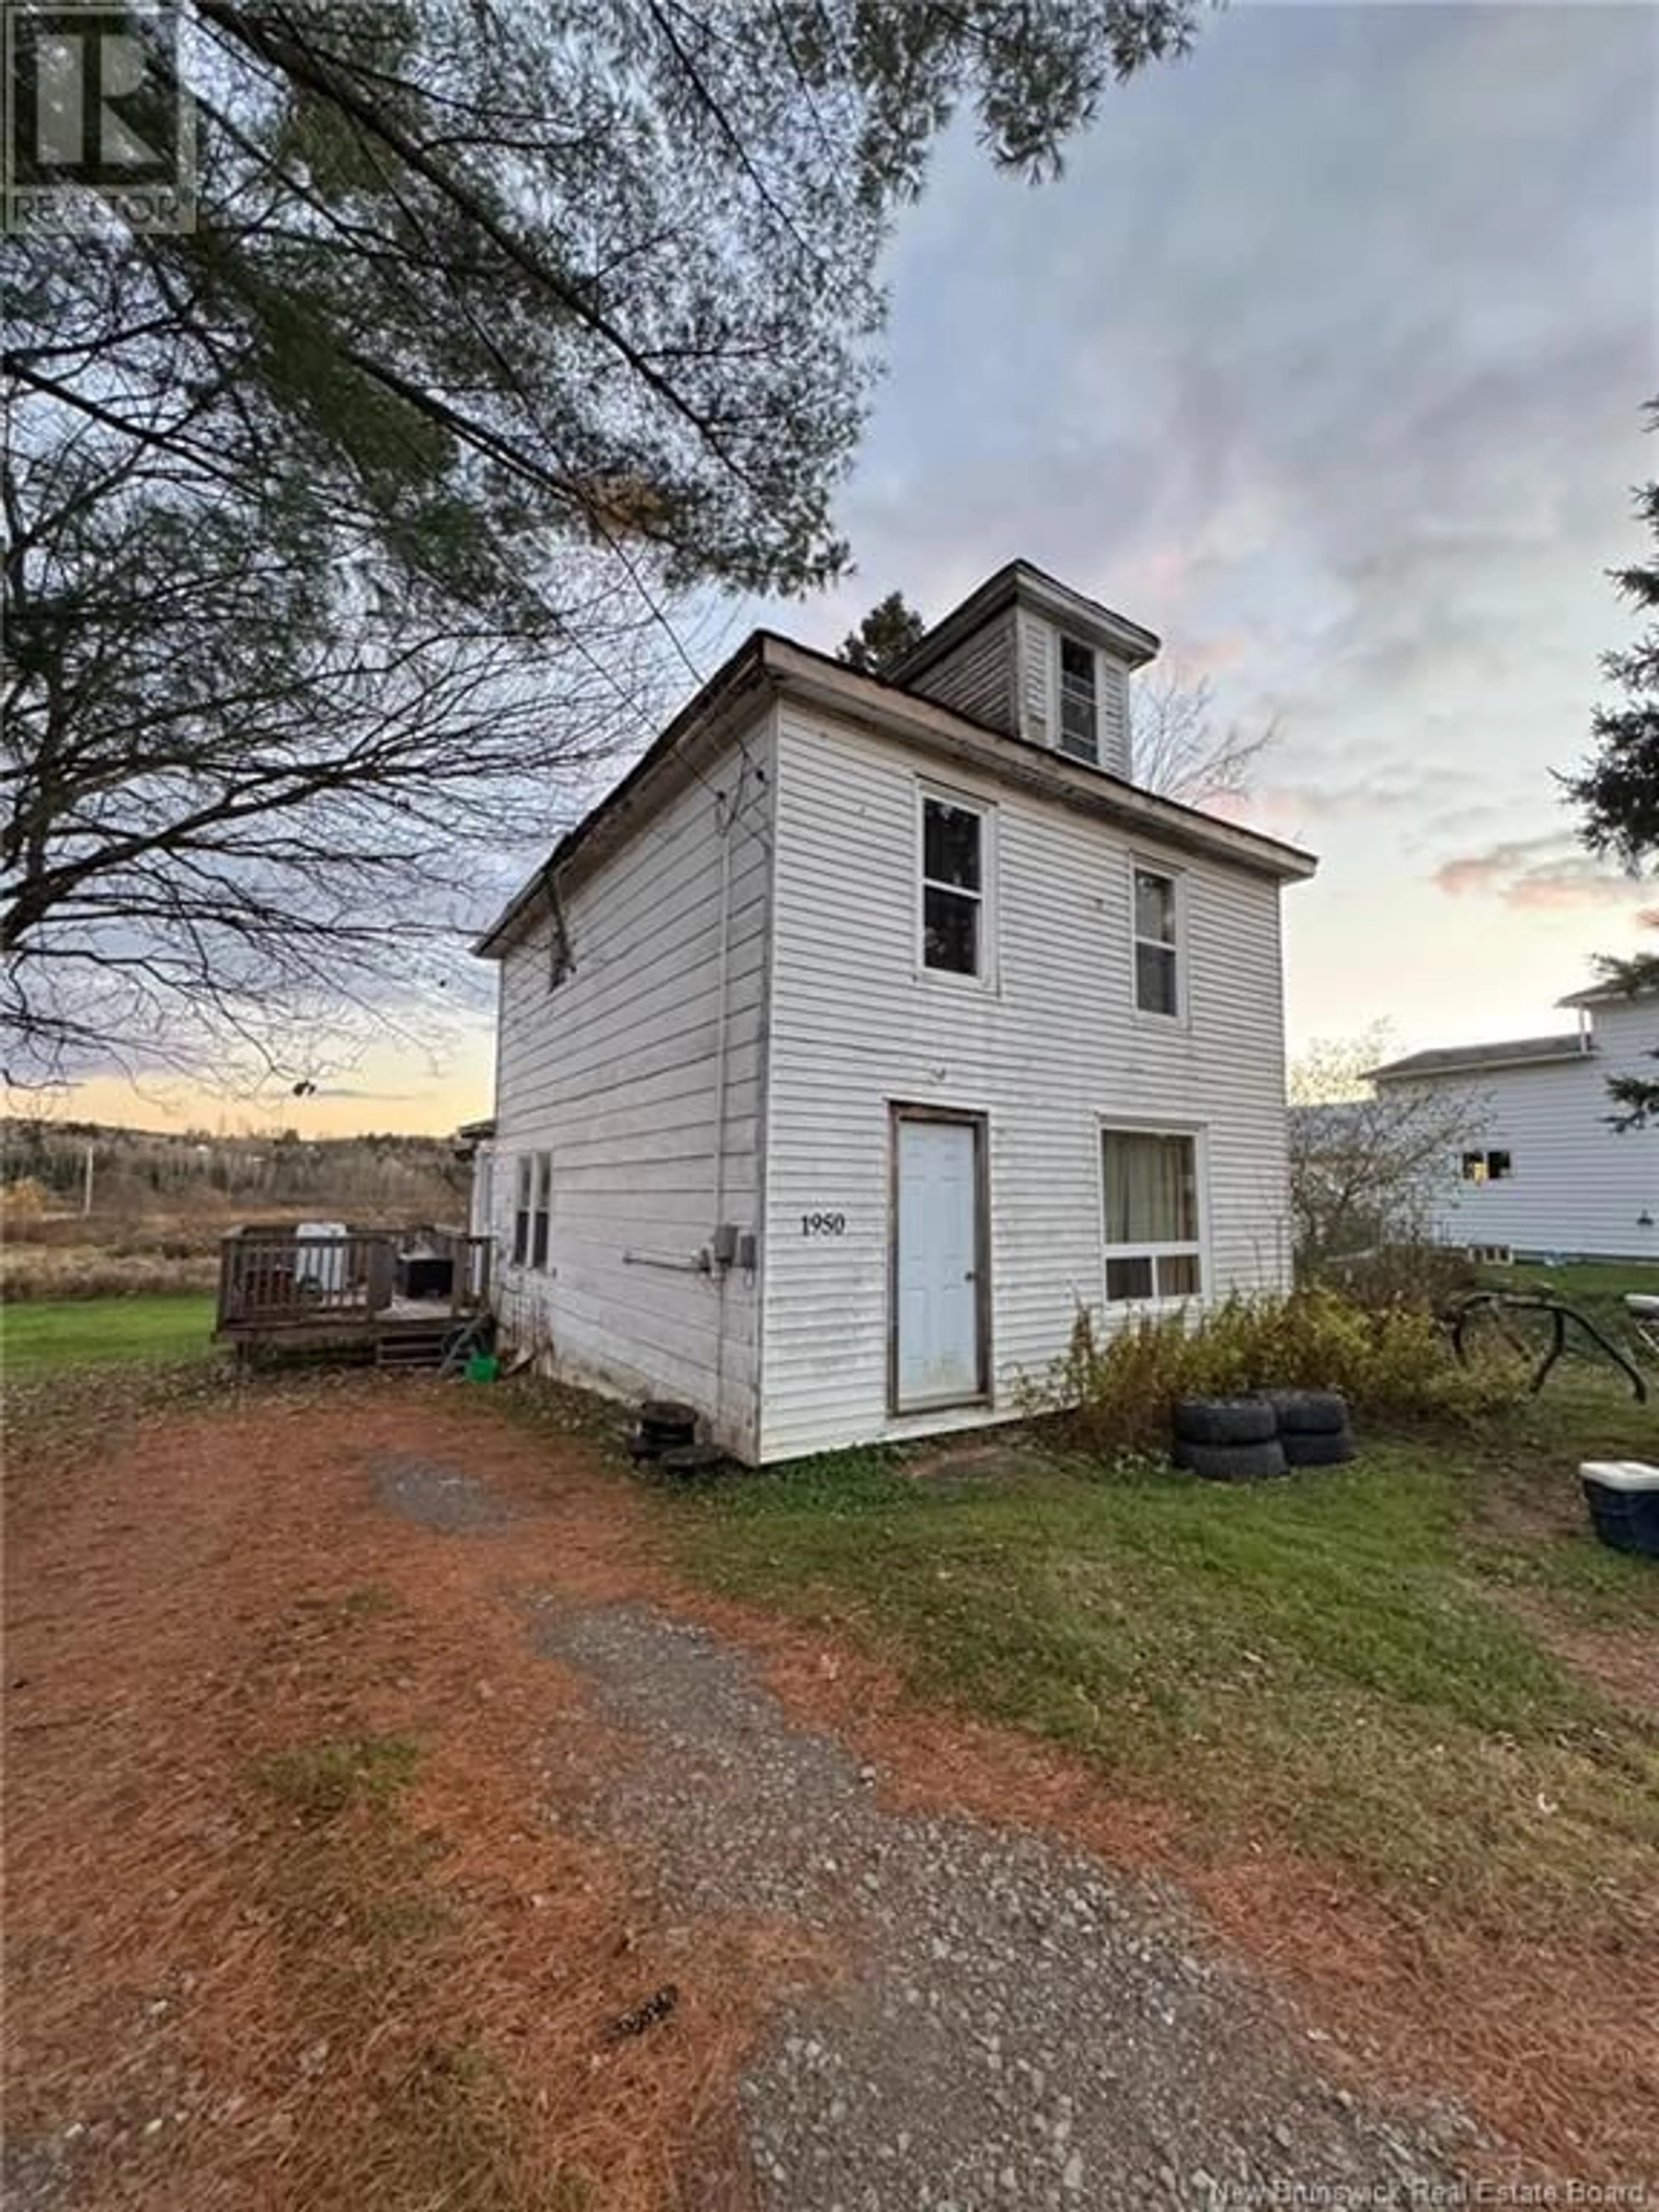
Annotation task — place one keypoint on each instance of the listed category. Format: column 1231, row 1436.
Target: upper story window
column 1157, row 943
column 955, row 838
column 1487, row 1167
column 1079, row 700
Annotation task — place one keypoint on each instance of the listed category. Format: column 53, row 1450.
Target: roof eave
column 723, row 691
column 1130, row 640
column 831, row 684
column 1609, row 995
column 767, row 662
column 1394, row 1069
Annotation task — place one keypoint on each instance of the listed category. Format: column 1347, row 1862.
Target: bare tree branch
column 1178, row 750
column 351, row 530
column 1370, row 1163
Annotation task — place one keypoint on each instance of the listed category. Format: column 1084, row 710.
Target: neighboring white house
column 1546, row 1172
column 868, row 1026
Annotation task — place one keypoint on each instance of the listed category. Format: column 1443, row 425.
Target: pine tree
column 1618, row 789
column 356, row 519
column 884, row 637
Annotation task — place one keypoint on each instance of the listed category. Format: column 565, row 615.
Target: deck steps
column 409, row 1348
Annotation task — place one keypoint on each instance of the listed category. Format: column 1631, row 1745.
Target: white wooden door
column 936, row 1271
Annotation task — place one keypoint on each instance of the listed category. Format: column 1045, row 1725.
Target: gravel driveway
column 1018, row 2026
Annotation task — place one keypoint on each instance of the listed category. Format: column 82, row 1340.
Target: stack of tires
column 1228, row 1439
column 665, row 1444
column 665, row 1426
column 1312, row 1427
column 1246, row 1439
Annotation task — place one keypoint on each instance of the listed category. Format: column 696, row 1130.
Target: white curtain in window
column 1149, row 1190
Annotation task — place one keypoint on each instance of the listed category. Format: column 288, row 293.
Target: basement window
column 1149, row 1183
column 954, row 933
column 1487, row 1167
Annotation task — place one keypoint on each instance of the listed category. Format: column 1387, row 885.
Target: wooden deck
column 403, row 1292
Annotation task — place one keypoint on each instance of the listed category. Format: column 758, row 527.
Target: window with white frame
column 542, row 1211
column 532, row 1207
column 1079, row 700
column 955, row 871
column 1149, row 1180
column 524, row 1183
column 1487, row 1167
column 1157, row 942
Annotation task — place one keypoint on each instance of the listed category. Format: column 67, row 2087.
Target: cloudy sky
column 1325, row 360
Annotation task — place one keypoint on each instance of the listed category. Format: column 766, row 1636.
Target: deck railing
column 272, row 1277
column 471, row 1255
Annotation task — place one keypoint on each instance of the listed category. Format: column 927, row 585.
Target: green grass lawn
column 1588, row 1279
column 1342, row 1661
column 36, row 1339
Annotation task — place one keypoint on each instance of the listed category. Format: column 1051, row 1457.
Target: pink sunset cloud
column 1537, row 874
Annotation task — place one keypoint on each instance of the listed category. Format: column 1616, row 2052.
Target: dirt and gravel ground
column 388, row 1827
column 1014, row 2024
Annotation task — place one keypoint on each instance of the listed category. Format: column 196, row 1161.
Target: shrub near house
column 1114, row 1392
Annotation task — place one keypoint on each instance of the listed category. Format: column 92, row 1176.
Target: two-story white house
column 1544, row 1171
column 867, row 1027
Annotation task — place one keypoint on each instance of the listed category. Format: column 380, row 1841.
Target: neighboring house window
column 1158, row 955
column 1079, row 703
column 1487, row 1167
column 525, row 1171
column 544, row 1206
column 1150, row 1181
column 954, row 841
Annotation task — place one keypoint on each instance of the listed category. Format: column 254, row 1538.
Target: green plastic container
column 483, row 1367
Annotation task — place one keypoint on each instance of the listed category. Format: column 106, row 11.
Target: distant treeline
column 148, row 1171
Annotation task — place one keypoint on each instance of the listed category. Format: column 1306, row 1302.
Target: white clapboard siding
column 1578, row 1185
column 1052, row 1054
column 614, row 1072
column 977, row 676
column 1036, row 677
column 1115, row 752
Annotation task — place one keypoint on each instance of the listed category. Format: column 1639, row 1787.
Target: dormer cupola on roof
column 1031, row 657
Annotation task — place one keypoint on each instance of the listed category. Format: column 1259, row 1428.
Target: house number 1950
column 824, row 1225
